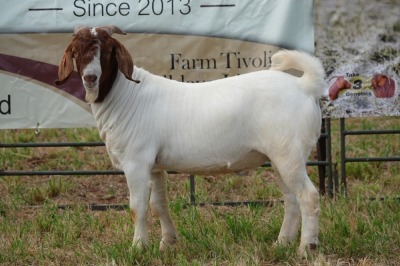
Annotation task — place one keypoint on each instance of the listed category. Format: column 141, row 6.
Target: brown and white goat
column 221, row 126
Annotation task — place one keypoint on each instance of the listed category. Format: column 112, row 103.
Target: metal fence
column 323, row 162
column 327, row 174
column 344, row 159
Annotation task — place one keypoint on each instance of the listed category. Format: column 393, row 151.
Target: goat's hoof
column 312, row 246
column 167, row 242
column 282, row 242
column 139, row 245
column 307, row 250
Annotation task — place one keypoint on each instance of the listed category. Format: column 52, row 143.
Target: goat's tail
column 312, row 81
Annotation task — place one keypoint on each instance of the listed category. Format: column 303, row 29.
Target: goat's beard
column 91, row 94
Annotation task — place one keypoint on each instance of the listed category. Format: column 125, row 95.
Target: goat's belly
column 250, row 160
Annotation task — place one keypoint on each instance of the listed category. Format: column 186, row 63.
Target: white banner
column 186, row 40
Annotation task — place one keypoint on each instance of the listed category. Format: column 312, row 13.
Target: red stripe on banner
column 43, row 72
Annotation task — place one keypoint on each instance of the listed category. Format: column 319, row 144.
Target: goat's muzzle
column 90, row 80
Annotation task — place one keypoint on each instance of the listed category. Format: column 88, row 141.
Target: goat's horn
column 113, row 29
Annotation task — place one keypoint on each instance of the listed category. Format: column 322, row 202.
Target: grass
column 33, row 230
column 354, row 230
column 362, row 230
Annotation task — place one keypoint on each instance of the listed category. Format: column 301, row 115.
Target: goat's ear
column 66, row 66
column 124, row 59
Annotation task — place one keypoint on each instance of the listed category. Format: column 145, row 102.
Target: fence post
column 192, row 190
column 329, row 156
column 343, row 155
column 321, row 155
column 324, row 155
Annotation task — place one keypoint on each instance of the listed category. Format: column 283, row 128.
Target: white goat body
column 213, row 127
column 220, row 126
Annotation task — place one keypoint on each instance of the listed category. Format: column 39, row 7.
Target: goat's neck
column 118, row 99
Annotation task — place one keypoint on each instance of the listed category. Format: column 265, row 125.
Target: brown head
column 98, row 57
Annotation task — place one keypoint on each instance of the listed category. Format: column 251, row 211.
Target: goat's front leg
column 139, row 183
column 159, row 205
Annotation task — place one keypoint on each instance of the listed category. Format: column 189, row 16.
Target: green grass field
column 354, row 230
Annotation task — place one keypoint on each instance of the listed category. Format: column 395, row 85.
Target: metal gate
column 323, row 162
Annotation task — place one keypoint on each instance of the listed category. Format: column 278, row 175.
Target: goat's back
column 209, row 124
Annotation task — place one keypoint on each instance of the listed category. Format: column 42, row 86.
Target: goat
column 151, row 124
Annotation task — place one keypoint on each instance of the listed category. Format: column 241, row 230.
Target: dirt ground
column 358, row 36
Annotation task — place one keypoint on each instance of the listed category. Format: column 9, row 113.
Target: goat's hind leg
column 159, row 205
column 292, row 216
column 294, row 176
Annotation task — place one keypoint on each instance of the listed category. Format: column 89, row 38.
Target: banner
column 184, row 40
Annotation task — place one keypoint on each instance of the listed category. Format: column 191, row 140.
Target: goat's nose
column 90, row 78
